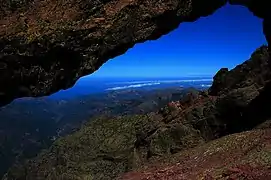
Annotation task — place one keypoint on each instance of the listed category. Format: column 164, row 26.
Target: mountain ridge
column 29, row 125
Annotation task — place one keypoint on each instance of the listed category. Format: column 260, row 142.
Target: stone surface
column 47, row 45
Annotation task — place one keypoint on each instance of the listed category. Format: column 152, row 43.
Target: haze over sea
column 92, row 85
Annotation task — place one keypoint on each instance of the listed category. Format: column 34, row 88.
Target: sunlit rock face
column 48, row 45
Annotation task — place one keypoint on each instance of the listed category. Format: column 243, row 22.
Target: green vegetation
column 107, row 147
column 30, row 125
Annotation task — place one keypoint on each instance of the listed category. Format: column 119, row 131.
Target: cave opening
column 199, row 49
column 188, row 56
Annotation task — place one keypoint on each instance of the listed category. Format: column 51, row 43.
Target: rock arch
column 47, row 45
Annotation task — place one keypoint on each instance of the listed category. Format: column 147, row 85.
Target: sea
column 91, row 85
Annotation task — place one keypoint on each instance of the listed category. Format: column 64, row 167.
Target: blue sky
column 225, row 39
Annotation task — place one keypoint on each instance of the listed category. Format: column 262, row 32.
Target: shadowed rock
column 253, row 72
column 243, row 93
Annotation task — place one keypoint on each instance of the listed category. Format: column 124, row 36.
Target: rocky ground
column 245, row 155
column 220, row 134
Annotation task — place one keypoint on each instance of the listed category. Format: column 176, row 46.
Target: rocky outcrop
column 253, row 72
column 242, row 93
column 47, row 45
column 241, row 103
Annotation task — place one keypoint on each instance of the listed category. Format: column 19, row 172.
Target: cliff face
column 47, row 45
column 176, row 135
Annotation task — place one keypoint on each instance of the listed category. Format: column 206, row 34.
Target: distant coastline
column 91, row 85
